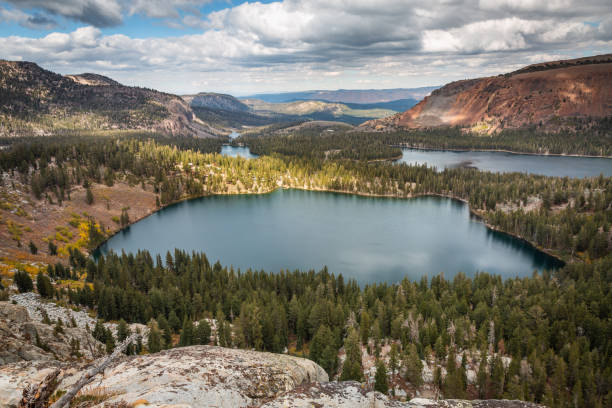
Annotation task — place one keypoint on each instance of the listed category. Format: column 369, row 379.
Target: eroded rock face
column 202, row 376
column 22, row 339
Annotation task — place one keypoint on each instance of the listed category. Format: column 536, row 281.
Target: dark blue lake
column 369, row 239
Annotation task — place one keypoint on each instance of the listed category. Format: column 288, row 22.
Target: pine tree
column 186, row 338
column 122, row 330
column 323, row 350
column 381, row 383
column 154, row 339
column 364, row 327
column 174, row 322
column 482, row 376
column 110, row 342
column 99, row 332
column 453, row 385
column 497, row 378
column 394, row 358
column 52, row 249
column 413, row 366
column 352, row 368
column 43, row 284
column 89, row 197
column 23, row 281
column 202, row 332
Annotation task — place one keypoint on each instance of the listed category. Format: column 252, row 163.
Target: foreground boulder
column 202, row 376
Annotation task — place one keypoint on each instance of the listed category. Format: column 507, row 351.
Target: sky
column 243, row 47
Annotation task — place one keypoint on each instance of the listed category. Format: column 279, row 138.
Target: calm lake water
column 236, row 151
column 369, row 239
column 561, row 166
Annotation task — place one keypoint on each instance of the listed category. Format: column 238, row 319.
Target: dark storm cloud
column 99, row 13
column 41, row 21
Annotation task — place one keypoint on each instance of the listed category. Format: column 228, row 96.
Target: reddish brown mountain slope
column 537, row 94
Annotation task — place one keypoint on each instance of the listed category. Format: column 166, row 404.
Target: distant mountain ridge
column 227, row 110
column 361, row 96
column 34, row 100
column 552, row 95
column 216, row 101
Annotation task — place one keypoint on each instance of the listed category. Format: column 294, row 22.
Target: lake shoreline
column 460, row 149
column 472, row 212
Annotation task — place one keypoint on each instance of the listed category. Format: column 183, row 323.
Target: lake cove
column 369, row 239
column 561, row 166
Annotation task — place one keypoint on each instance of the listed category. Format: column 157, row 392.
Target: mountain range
column 360, row 96
column 566, row 94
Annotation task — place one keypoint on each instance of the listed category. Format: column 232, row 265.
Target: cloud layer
column 343, row 42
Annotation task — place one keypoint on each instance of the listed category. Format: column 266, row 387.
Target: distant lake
column 237, row 151
column 369, row 239
column 561, row 166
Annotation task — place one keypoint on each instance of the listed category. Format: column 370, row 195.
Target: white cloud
column 336, row 41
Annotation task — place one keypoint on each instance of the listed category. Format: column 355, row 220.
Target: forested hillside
column 36, row 101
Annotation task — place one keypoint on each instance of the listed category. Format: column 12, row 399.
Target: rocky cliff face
column 23, row 339
column 549, row 94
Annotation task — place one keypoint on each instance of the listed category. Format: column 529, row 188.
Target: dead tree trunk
column 38, row 396
column 93, row 371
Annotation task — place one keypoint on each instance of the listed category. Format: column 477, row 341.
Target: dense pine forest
column 556, row 329
column 592, row 138
column 545, row 338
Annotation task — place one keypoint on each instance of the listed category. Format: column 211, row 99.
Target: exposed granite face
column 18, row 338
column 35, row 305
column 202, row 376
column 351, row 394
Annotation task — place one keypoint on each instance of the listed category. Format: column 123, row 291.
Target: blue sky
column 240, row 47
column 135, row 25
